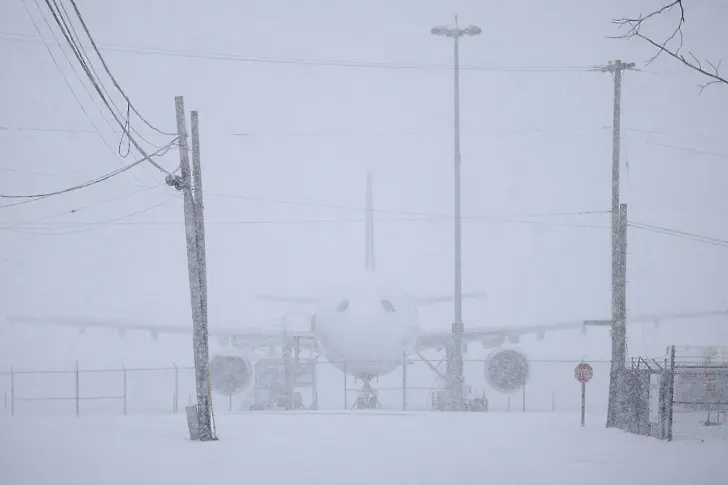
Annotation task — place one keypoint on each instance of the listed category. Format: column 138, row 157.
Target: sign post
column 583, row 403
column 583, row 373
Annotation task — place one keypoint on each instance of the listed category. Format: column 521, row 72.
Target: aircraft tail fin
column 369, row 259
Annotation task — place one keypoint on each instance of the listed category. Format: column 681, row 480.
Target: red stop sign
column 583, row 372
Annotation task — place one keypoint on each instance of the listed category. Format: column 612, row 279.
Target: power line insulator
column 174, row 181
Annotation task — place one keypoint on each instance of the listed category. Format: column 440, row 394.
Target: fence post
column 509, row 404
column 346, row 405
column 124, row 368
column 664, row 393
column 12, row 392
column 404, row 382
column 78, row 407
column 524, row 398
column 230, row 409
column 553, row 401
column 175, row 406
column 671, row 401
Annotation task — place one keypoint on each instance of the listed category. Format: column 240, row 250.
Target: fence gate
column 645, row 409
column 683, row 397
column 700, row 393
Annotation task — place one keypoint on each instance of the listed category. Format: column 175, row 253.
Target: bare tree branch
column 635, row 25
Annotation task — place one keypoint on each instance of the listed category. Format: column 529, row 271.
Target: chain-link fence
column 683, row 396
column 93, row 391
column 643, row 405
column 700, row 403
column 551, row 387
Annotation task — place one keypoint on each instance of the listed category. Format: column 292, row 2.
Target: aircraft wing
column 490, row 335
column 495, row 335
column 251, row 336
column 309, row 300
column 432, row 300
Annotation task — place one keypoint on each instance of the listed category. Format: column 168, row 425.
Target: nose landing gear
column 367, row 398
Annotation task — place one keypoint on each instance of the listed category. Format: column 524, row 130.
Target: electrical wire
column 663, row 133
column 686, row 149
column 30, row 172
column 108, row 71
column 77, row 46
column 357, row 221
column 77, row 209
column 91, row 182
column 101, row 94
column 530, row 68
column 390, row 211
column 680, row 234
column 337, row 134
column 414, row 133
column 87, row 226
column 78, row 76
column 65, row 80
column 5, row 206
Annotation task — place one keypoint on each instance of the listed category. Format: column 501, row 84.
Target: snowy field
column 348, row 449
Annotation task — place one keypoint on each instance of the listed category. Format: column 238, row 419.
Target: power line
column 100, row 92
column 411, row 133
column 106, row 68
column 391, row 211
column 58, row 67
column 68, row 85
column 78, row 209
column 307, row 62
column 344, row 221
column 78, row 48
column 680, row 234
column 31, row 172
column 91, row 182
column 28, row 201
column 687, row 135
column 87, row 226
column 686, row 149
column 331, row 134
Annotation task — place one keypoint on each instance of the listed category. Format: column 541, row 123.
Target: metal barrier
column 678, row 397
column 122, row 390
column 700, row 403
column 104, row 385
column 551, row 387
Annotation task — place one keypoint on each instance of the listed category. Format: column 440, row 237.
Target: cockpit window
column 342, row 306
column 388, row 305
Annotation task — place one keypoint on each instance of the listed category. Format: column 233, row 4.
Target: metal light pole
column 455, row 352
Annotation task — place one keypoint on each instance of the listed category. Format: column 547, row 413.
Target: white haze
column 533, row 143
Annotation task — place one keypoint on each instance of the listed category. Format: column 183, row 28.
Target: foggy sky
column 533, row 143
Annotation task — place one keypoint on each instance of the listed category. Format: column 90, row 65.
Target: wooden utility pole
column 619, row 331
column 195, row 265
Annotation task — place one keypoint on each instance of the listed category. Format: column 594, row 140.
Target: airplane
column 365, row 327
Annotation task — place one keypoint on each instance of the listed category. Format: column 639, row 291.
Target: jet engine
column 230, row 374
column 506, row 370
column 493, row 341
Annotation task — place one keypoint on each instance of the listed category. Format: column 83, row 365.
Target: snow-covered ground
column 348, row 448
